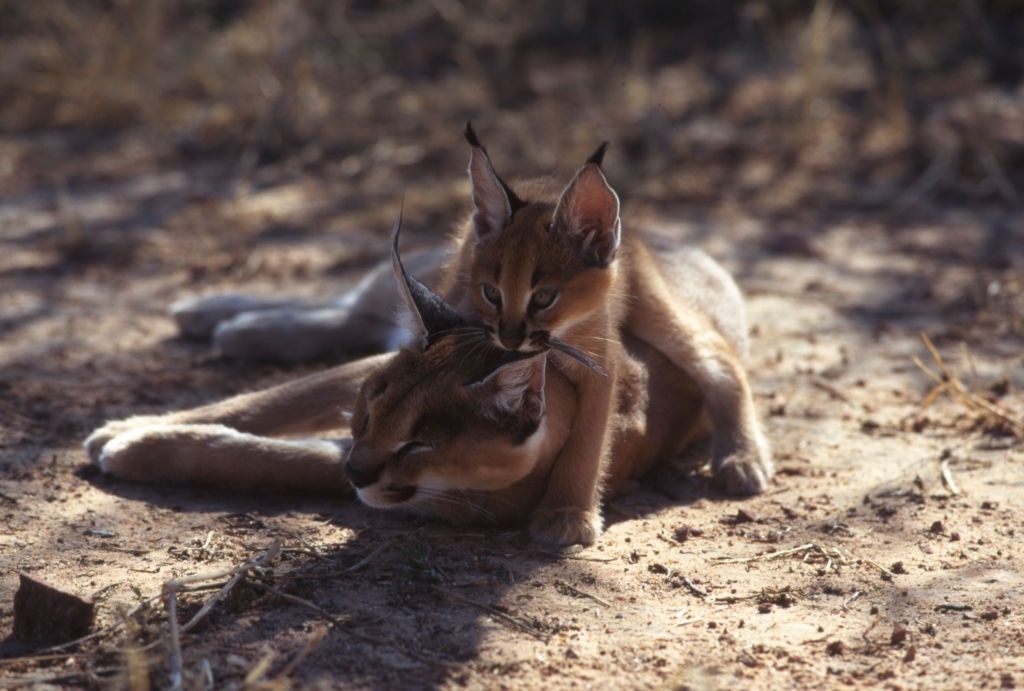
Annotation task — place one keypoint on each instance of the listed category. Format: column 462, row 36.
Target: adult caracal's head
column 450, row 414
column 540, row 266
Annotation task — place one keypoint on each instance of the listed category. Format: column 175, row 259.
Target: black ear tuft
column 598, row 156
column 471, row 136
column 435, row 316
column 515, row 203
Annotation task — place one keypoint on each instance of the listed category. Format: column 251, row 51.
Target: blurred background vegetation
column 782, row 106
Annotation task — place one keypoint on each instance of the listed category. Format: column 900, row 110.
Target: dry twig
column 878, row 566
column 174, row 586
column 579, row 593
column 521, row 625
column 237, row 573
column 345, row 626
column 368, row 558
column 767, row 556
column 946, row 382
column 830, row 388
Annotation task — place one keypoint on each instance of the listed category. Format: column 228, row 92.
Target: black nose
column 361, row 477
column 512, row 337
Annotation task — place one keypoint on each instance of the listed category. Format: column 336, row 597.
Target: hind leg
column 741, row 458
column 365, row 319
column 197, row 318
column 299, row 335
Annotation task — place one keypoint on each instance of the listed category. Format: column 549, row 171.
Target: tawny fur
column 569, row 243
column 648, row 309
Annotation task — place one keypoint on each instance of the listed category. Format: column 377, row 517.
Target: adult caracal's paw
column 745, row 472
column 94, row 444
column 565, row 526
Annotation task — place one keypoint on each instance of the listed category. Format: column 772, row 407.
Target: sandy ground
column 887, row 552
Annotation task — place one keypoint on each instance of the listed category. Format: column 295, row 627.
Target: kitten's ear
column 494, row 202
column 518, row 387
column 432, row 314
column 588, row 212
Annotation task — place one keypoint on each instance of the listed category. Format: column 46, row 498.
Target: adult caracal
column 449, row 426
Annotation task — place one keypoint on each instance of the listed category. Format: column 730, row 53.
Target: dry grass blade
column 76, row 678
column 259, row 670
column 237, row 574
column 947, row 479
column 177, row 674
column 946, row 382
column 768, row 556
column 497, row 614
column 342, row 625
column 830, row 557
column 174, row 586
column 315, row 639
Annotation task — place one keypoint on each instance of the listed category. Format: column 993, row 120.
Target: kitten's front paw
column 565, row 526
column 745, row 473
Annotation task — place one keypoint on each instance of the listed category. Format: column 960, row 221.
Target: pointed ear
column 433, row 315
column 598, row 156
column 588, row 212
column 494, row 202
column 519, row 386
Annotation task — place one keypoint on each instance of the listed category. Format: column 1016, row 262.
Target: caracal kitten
column 551, row 268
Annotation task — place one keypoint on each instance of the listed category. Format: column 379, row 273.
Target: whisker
column 602, row 339
column 585, row 359
column 446, row 498
column 472, row 347
column 454, row 331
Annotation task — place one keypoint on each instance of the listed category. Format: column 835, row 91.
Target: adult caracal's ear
column 434, row 317
column 494, row 202
column 518, row 387
column 588, row 211
column 598, row 156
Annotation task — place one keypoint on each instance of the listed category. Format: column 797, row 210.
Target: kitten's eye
column 492, row 294
column 543, row 298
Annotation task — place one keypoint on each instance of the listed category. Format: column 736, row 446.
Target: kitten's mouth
column 540, row 341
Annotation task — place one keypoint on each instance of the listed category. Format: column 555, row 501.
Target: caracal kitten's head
column 544, row 264
column 450, row 413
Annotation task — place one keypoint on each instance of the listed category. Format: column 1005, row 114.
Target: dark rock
column 46, row 616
